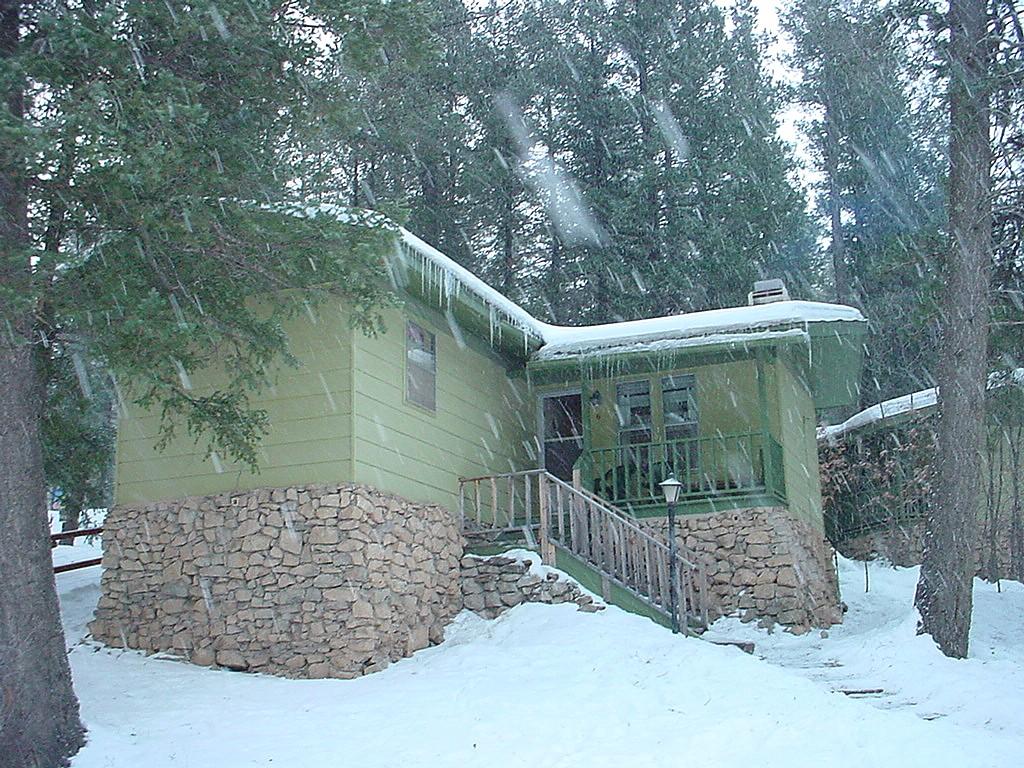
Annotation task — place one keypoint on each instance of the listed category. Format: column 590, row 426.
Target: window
column 678, row 398
column 420, row 367
column 633, row 406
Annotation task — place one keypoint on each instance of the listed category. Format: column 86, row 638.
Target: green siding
column 310, row 436
column 342, row 416
column 727, row 401
column 796, row 416
column 481, row 425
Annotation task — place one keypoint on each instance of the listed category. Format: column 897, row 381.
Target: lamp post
column 671, row 487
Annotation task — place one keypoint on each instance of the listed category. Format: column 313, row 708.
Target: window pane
column 633, row 406
column 420, row 367
column 420, row 346
column 680, row 406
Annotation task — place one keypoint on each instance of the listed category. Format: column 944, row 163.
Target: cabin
column 469, row 410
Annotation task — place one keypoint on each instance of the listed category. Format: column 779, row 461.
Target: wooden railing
column 716, row 466
column 496, row 504
column 567, row 517
column 56, row 538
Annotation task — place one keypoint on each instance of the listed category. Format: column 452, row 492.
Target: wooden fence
column 56, row 538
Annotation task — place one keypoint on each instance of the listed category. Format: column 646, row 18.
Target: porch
column 718, row 425
column 717, row 472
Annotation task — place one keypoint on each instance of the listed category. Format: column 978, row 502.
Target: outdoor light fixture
column 671, row 487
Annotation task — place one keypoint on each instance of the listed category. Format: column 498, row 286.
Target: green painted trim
column 590, row 579
column 553, row 373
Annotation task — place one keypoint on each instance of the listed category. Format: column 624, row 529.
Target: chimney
column 767, row 292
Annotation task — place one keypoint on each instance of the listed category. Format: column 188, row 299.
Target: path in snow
column 877, row 647
column 541, row 686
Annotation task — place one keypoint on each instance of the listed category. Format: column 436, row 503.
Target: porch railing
column 569, row 518
column 708, row 467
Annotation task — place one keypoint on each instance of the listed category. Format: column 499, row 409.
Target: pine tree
column 146, row 150
column 945, row 590
column 870, row 78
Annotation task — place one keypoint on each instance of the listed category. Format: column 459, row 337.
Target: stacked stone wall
column 315, row 581
column 902, row 545
column 492, row 585
column 761, row 563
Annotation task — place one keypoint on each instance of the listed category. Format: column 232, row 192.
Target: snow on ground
column 877, row 647
column 546, row 685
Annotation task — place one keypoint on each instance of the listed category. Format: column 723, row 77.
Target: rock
column 475, row 602
column 290, row 541
column 744, row 577
column 764, row 591
column 256, row 543
column 362, row 609
column 318, row 670
column 226, row 580
column 232, row 659
column 787, row 577
column 327, row 580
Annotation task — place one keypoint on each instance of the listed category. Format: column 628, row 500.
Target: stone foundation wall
column 492, row 585
column 903, row 545
column 315, row 581
column 761, row 563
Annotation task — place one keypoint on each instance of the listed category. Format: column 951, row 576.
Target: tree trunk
column 944, row 592
column 840, row 274
column 39, row 725
column 70, row 516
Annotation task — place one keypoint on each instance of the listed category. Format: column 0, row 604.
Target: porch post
column 546, row 550
column 762, row 401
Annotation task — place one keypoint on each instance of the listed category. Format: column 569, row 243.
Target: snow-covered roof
column 716, row 326
column 922, row 400
column 887, row 409
column 734, row 324
column 446, row 279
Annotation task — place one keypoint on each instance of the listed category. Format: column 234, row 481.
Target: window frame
column 409, row 363
column 621, row 428
column 693, row 407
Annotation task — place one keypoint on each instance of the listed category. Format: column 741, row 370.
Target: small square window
column 420, row 367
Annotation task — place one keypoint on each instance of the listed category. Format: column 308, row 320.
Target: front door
column 562, row 432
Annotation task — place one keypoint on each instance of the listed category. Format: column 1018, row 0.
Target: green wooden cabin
column 465, row 383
